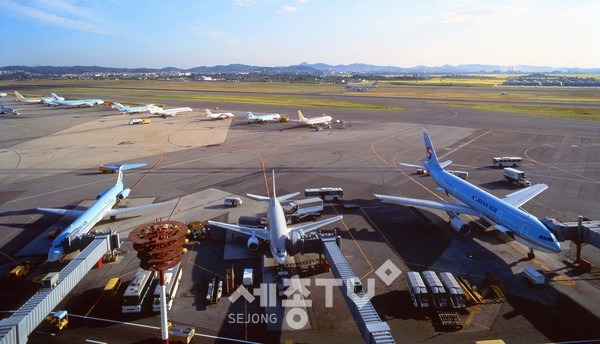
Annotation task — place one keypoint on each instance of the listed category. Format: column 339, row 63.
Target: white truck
column 513, row 175
column 308, row 207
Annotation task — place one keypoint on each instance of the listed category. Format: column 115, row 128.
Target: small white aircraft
column 40, row 100
column 56, row 100
column 7, row 110
column 2, row 94
column 272, row 117
column 277, row 233
column 505, row 213
column 126, row 109
column 323, row 120
column 361, row 88
column 156, row 110
column 221, row 115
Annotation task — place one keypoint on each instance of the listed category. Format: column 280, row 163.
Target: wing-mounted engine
column 459, row 225
column 123, row 194
column 253, row 243
column 102, row 193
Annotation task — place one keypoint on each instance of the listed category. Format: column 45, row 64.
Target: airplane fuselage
column 86, row 221
column 278, row 231
column 527, row 228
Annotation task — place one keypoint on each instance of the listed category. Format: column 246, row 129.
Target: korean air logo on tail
column 429, row 152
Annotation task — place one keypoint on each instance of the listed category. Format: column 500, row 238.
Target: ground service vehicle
column 50, row 280
column 139, row 121
column 178, row 333
column 20, row 270
column 59, row 320
column 112, row 287
column 232, row 201
column 248, row 277
column 512, row 175
column 456, row 296
column 417, row 289
column 219, row 289
column 534, row 276
column 136, row 291
column 436, row 289
column 172, row 279
column 197, row 230
column 210, row 292
column 326, row 194
column 512, row 161
column 308, row 207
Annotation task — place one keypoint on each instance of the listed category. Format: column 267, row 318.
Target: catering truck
column 304, row 208
column 513, row 175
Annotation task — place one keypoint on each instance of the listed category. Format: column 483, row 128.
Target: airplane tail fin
column 375, row 84
column 280, row 198
column 301, row 117
column 119, row 106
column 54, row 96
column 18, row 96
column 432, row 160
column 121, row 168
column 249, row 115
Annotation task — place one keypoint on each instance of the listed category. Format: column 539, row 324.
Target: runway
column 49, row 158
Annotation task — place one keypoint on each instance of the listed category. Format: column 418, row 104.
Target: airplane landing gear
column 530, row 254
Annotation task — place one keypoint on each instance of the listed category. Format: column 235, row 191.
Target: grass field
column 549, row 111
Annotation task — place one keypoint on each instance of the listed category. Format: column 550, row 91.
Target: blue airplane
column 56, row 100
column 4, row 110
column 505, row 213
column 86, row 219
column 127, row 109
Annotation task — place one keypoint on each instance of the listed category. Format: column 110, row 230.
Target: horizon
column 274, row 33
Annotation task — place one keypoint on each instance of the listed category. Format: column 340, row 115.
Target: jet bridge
column 372, row 329
column 17, row 328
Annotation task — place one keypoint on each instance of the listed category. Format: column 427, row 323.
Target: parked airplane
column 4, row 109
column 56, row 100
column 86, row 219
column 155, row 110
column 505, row 213
column 221, row 115
column 359, row 88
column 272, row 117
column 40, row 100
column 2, row 94
column 323, row 120
column 126, row 109
column 277, row 232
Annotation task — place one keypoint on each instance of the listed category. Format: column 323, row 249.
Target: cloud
column 244, row 3
column 482, row 14
column 287, row 9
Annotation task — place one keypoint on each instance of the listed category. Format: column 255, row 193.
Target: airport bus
column 510, row 161
column 436, row 289
column 417, row 289
column 136, row 291
column 456, row 296
column 326, row 194
column 172, row 278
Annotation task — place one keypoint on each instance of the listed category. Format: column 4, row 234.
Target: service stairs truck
column 513, row 175
column 304, row 208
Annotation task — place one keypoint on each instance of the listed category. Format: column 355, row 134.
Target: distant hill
column 304, row 68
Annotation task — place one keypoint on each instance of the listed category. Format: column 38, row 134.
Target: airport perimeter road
column 45, row 164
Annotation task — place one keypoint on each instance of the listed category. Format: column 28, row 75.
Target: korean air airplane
column 7, row 110
column 56, row 100
column 86, row 219
column 272, row 117
column 505, row 213
column 277, row 233
column 127, row 109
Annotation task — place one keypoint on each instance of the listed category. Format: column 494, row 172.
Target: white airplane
column 156, row 110
column 40, row 100
column 360, row 88
column 56, row 100
column 221, row 115
column 126, row 109
column 86, row 219
column 277, row 233
column 323, row 120
column 2, row 94
column 7, row 110
column 505, row 213
column 272, row 117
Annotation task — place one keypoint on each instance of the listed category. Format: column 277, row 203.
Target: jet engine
column 101, row 194
column 253, row 243
column 460, row 225
column 123, row 194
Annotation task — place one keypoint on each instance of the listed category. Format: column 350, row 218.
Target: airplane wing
column 309, row 227
column 442, row 164
column 260, row 233
column 121, row 211
column 63, row 212
column 521, row 197
column 457, row 208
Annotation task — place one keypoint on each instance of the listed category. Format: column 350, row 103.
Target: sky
column 403, row 33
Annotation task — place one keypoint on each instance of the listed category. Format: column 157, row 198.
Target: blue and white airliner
column 277, row 232
column 56, row 100
column 505, row 213
column 86, row 219
column 271, row 117
column 128, row 109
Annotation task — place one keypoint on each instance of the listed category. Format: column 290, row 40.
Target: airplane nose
column 54, row 255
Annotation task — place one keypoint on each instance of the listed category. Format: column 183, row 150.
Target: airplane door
column 499, row 215
column 524, row 230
